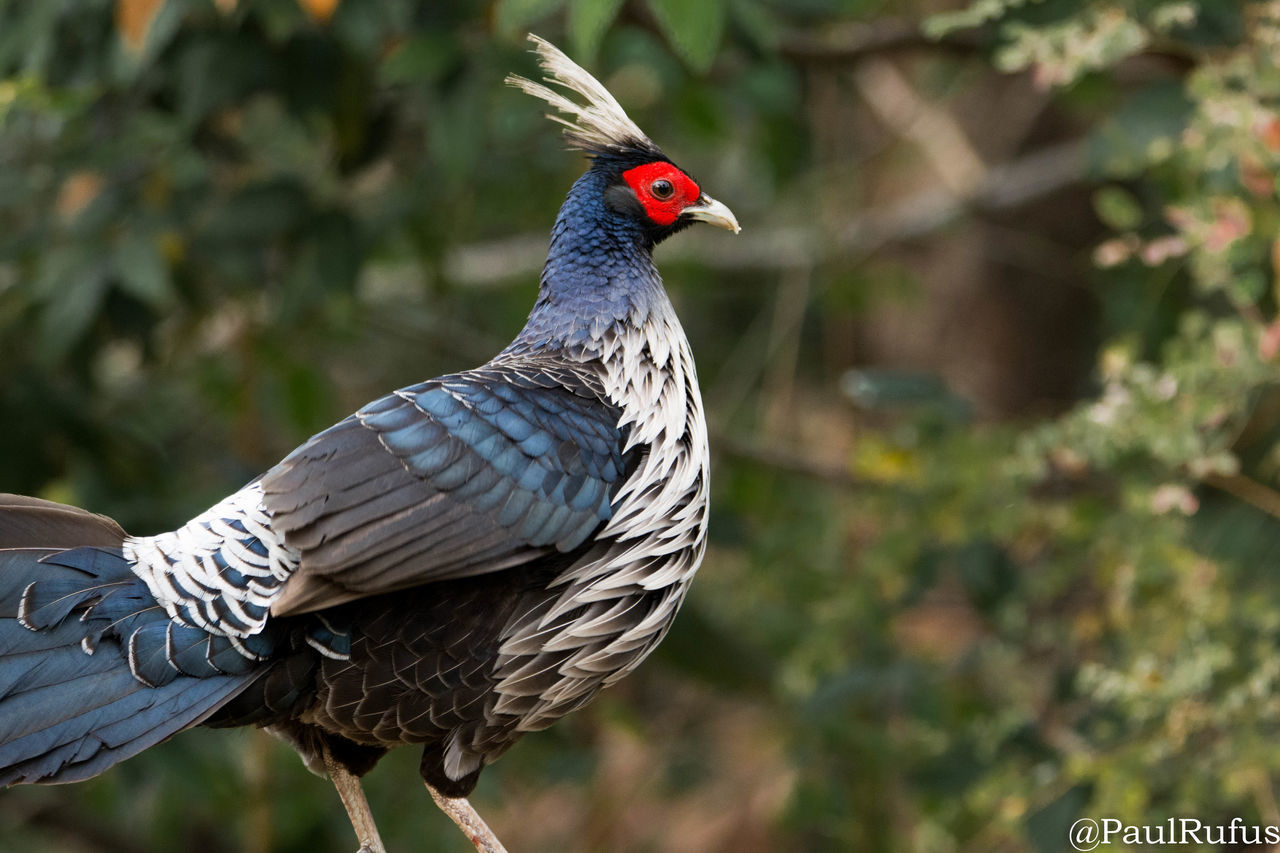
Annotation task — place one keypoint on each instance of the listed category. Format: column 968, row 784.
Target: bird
column 458, row 563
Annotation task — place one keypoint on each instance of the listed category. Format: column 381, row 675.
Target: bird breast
column 617, row 601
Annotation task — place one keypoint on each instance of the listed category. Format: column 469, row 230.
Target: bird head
column 642, row 182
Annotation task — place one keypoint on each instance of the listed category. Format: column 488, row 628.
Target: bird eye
column 662, row 189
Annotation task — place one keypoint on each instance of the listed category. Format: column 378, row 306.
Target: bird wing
column 457, row 476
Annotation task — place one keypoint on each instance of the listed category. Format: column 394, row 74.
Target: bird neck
column 599, row 274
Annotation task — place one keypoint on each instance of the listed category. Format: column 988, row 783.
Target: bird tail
column 92, row 670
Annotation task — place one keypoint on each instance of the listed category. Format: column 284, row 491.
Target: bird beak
column 709, row 210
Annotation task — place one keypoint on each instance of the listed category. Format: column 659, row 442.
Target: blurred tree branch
column 790, row 461
column 1247, row 489
column 932, row 130
column 852, row 40
column 1004, row 186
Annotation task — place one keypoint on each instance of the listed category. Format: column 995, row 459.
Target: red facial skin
column 663, row 211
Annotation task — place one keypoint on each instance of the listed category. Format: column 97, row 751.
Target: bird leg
column 469, row 821
column 353, row 800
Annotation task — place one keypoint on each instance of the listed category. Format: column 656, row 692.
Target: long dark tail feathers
column 82, row 685
column 34, row 523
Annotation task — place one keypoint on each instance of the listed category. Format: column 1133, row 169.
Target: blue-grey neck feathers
column 599, row 270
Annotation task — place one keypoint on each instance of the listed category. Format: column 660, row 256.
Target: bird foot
column 469, row 821
column 353, row 800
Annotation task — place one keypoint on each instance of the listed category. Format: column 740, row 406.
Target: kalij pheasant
column 458, row 563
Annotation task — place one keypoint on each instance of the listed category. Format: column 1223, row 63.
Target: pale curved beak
column 713, row 212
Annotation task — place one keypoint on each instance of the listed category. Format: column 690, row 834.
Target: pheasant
column 458, row 563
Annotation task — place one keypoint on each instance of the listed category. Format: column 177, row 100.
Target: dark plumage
column 458, row 563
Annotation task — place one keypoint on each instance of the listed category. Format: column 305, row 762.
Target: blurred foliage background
column 991, row 374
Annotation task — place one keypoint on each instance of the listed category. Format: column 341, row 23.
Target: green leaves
column 513, row 17
column 588, row 20
column 70, row 287
column 1060, row 53
column 142, row 270
column 1117, row 208
column 693, row 29
column 977, row 13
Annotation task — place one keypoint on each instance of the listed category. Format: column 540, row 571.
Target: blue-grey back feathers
column 465, row 474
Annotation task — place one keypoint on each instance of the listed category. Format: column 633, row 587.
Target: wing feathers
column 461, row 475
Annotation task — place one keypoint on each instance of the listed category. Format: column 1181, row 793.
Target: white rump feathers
column 601, row 125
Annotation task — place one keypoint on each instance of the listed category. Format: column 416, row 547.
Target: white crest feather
column 599, row 126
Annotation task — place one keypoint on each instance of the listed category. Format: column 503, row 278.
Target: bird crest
column 600, row 126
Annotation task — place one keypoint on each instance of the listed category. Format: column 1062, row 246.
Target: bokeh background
column 991, row 375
